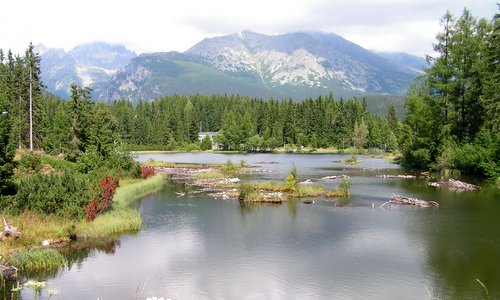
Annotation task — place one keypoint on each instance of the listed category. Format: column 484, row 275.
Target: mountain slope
column 307, row 59
column 415, row 63
column 87, row 65
column 294, row 65
column 154, row 75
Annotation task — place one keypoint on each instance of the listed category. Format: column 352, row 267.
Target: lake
column 197, row 247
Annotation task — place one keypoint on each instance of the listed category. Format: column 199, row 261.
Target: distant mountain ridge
column 87, row 65
column 294, row 65
column 310, row 59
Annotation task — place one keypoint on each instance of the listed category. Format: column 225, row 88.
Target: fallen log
column 405, row 176
column 400, row 200
column 336, row 177
column 455, row 185
column 9, row 231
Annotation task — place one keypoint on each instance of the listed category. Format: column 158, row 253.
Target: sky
column 161, row 25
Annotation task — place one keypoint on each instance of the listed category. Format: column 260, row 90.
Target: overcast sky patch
column 153, row 26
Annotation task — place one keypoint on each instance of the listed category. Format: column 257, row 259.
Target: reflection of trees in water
column 461, row 247
column 77, row 252
column 250, row 208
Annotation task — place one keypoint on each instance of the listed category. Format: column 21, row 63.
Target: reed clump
column 128, row 193
column 210, row 175
column 37, row 259
column 113, row 222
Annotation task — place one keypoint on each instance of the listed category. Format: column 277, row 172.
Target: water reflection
column 462, row 246
column 195, row 247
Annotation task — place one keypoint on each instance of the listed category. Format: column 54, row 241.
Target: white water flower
column 52, row 292
column 36, row 285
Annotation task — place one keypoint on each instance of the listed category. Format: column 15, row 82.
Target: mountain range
column 294, row 65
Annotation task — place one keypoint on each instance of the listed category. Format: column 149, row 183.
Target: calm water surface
column 196, row 247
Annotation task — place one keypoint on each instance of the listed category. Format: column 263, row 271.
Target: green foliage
column 246, row 191
column 59, row 164
column 210, row 175
column 62, row 194
column 6, row 147
column 113, row 222
column 89, row 161
column 360, row 134
column 228, row 167
column 244, row 124
column 189, row 147
column 419, row 158
column 449, row 111
column 37, row 259
column 352, row 160
column 125, row 195
column 309, row 191
column 30, row 161
column 206, row 143
column 479, row 157
column 291, row 180
column 121, row 160
column 343, row 189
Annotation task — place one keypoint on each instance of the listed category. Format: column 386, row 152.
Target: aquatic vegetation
column 126, row 194
column 52, row 292
column 210, row 175
column 113, row 222
column 291, row 181
column 37, row 259
column 36, row 286
column 228, row 167
column 342, row 191
column 351, row 161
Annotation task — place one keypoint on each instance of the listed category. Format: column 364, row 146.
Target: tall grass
column 126, row 194
column 37, row 259
column 34, row 229
column 113, row 222
column 210, row 175
column 121, row 218
column 310, row 191
column 300, row 191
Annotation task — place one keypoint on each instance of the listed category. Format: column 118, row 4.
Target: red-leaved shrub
column 103, row 203
column 147, row 171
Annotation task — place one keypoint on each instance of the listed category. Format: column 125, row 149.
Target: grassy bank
column 26, row 252
column 121, row 218
column 131, row 190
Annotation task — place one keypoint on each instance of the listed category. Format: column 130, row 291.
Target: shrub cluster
column 63, row 194
column 30, row 161
column 147, row 171
column 102, row 203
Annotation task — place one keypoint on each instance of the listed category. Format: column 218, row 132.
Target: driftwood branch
column 455, row 185
column 400, row 200
column 9, row 231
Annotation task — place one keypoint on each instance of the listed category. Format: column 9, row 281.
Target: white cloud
column 151, row 25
